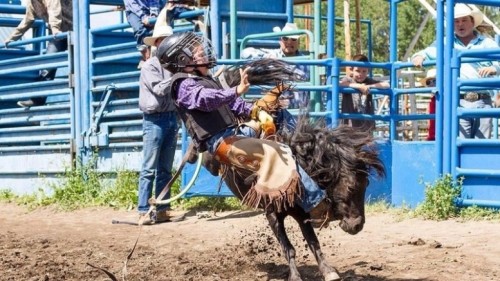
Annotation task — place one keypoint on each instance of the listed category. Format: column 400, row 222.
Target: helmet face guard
column 186, row 50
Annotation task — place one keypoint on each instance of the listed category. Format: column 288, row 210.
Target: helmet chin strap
column 197, row 65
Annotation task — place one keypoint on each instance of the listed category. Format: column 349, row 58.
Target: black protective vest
column 202, row 125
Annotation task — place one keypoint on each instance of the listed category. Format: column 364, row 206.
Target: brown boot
column 170, row 215
column 145, row 220
column 320, row 216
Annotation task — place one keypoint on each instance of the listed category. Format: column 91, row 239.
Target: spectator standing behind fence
column 430, row 81
column 58, row 14
column 362, row 103
column 141, row 15
column 289, row 47
column 160, row 129
column 467, row 38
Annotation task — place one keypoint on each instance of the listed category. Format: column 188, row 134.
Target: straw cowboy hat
column 462, row 10
column 431, row 74
column 159, row 31
column 288, row 27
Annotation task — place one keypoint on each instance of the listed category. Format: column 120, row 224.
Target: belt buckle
column 471, row 96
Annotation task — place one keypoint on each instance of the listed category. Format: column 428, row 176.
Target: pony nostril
column 358, row 228
column 352, row 226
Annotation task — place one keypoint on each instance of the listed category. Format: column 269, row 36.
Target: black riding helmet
column 185, row 49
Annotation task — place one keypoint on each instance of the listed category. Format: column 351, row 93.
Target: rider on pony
column 214, row 118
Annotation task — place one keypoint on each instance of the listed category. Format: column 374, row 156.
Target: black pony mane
column 263, row 72
column 330, row 155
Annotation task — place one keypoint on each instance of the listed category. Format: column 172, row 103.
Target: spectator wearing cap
column 430, row 81
column 466, row 37
column 289, row 47
column 159, row 131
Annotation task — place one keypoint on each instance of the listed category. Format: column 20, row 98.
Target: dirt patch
column 48, row 245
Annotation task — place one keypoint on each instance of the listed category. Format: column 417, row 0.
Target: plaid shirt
column 193, row 95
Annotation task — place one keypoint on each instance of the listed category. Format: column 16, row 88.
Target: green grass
column 84, row 186
column 440, row 199
column 439, row 204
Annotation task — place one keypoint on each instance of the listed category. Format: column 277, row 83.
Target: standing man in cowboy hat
column 467, row 38
column 289, row 47
column 160, row 129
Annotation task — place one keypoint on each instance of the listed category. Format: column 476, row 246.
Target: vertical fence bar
column 393, row 57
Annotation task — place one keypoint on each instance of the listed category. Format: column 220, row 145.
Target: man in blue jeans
column 466, row 37
column 160, row 129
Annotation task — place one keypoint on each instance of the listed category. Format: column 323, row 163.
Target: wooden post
column 358, row 28
column 307, row 23
column 347, row 30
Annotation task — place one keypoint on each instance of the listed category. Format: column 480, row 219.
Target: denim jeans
column 159, row 145
column 174, row 13
column 53, row 46
column 140, row 30
column 285, row 121
column 313, row 194
column 473, row 127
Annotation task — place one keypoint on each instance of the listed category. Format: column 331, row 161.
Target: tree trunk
column 347, row 30
column 358, row 28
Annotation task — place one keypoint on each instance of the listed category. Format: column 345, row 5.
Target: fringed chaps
column 277, row 180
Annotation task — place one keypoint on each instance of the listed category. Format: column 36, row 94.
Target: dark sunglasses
column 430, row 82
column 288, row 38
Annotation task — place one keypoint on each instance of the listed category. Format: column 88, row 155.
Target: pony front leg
column 277, row 224
column 328, row 272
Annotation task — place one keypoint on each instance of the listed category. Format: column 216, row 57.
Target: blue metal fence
column 92, row 104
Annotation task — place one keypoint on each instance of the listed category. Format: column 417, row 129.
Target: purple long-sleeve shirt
column 193, row 95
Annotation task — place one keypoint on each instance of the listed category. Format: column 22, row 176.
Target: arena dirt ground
column 49, row 245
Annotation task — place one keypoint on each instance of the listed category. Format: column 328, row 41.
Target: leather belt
column 473, row 96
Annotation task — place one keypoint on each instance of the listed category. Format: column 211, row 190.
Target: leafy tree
column 410, row 16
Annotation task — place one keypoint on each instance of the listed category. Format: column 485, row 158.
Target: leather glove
column 270, row 101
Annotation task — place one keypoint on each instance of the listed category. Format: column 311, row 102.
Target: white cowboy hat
column 289, row 26
column 462, row 10
column 159, row 31
column 431, row 74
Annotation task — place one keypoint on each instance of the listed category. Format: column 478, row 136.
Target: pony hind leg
column 329, row 273
column 277, row 224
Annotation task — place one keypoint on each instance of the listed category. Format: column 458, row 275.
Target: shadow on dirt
column 311, row 273
column 238, row 215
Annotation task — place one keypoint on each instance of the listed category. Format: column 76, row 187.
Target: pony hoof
column 332, row 276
